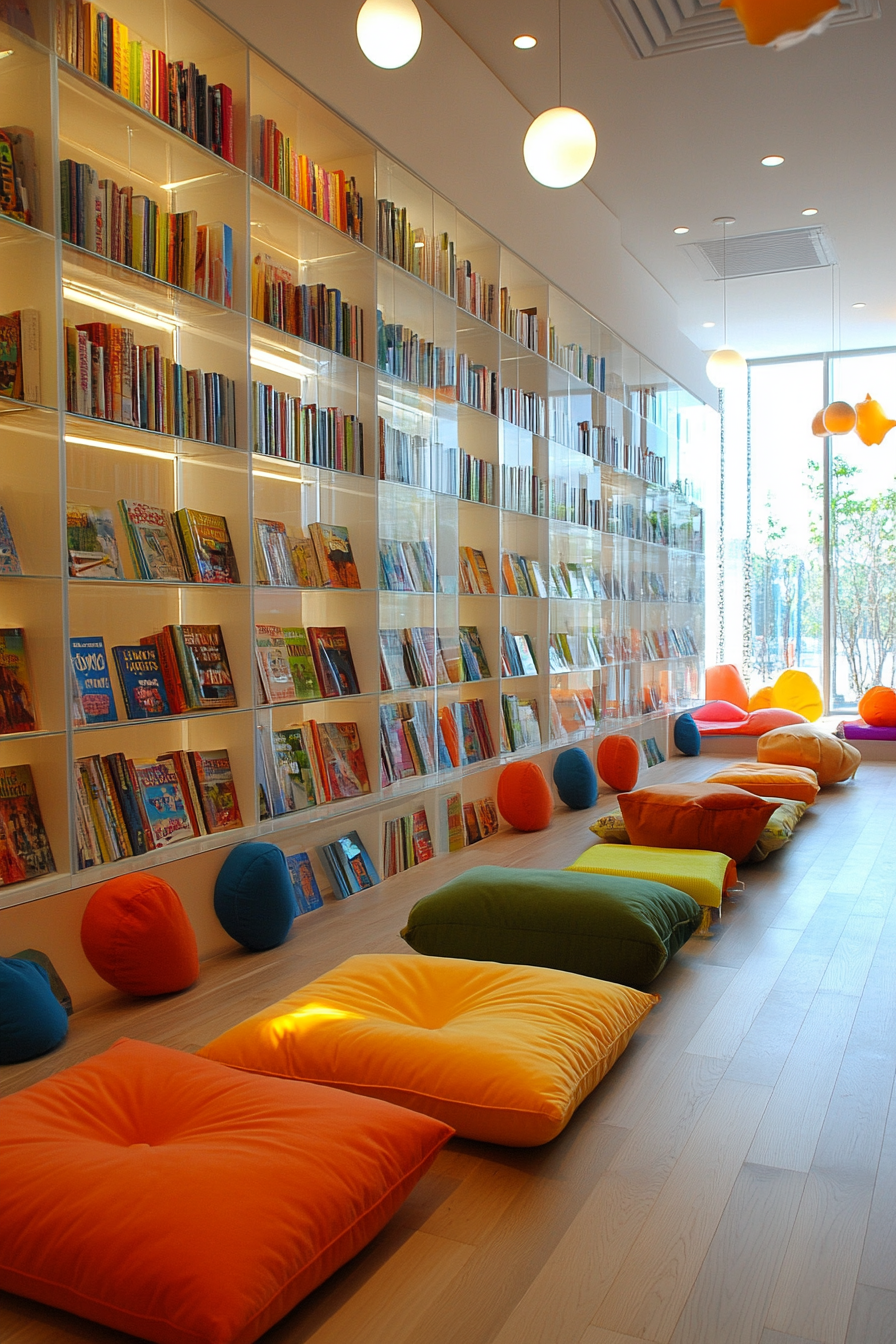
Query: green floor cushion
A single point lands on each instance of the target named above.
(613, 928)
(778, 829)
(700, 873)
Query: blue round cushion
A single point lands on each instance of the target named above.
(576, 779)
(687, 736)
(254, 898)
(32, 1020)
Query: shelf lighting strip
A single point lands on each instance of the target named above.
(119, 447)
(292, 368)
(95, 298)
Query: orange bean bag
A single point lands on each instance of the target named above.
(714, 817)
(797, 691)
(188, 1203)
(761, 699)
(619, 761)
(726, 683)
(137, 935)
(771, 781)
(803, 744)
(524, 797)
(878, 707)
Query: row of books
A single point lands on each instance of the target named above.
(572, 711)
(402, 353)
(602, 444)
(575, 500)
(187, 546)
(178, 95)
(572, 357)
(469, 478)
(135, 231)
(573, 651)
(179, 670)
(110, 377)
(525, 409)
(479, 820)
(327, 193)
(473, 571)
(477, 385)
(286, 427)
(308, 765)
(465, 732)
(25, 851)
(407, 566)
(405, 457)
(286, 559)
(522, 491)
(406, 842)
(411, 742)
(668, 643)
(517, 655)
(298, 663)
(521, 576)
(428, 256)
(474, 293)
(126, 807)
(418, 656)
(520, 723)
(523, 324)
(19, 189)
(20, 355)
(659, 526)
(313, 312)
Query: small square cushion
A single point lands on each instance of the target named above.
(832, 759)
(614, 928)
(501, 1053)
(716, 817)
(778, 781)
(778, 829)
(703, 875)
(856, 730)
(186, 1203)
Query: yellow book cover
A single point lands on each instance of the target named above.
(121, 65)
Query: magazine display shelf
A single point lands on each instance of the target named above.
(607, 501)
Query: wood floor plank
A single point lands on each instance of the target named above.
(729, 1021)
(594, 1335)
(472, 1211)
(763, 1052)
(853, 955)
(873, 1318)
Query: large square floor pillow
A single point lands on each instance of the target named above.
(614, 928)
(703, 875)
(501, 1053)
(832, 759)
(716, 817)
(186, 1203)
(777, 832)
(770, 781)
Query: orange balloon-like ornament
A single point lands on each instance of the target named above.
(781, 23)
(818, 428)
(872, 426)
(839, 417)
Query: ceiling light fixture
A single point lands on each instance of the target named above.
(810, 211)
(725, 366)
(682, 228)
(389, 32)
(838, 417)
(560, 145)
(709, 324)
(772, 160)
(859, 305)
(525, 42)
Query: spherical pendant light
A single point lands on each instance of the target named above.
(839, 417)
(818, 428)
(872, 425)
(726, 367)
(559, 147)
(389, 32)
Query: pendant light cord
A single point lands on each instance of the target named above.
(725, 284)
(559, 53)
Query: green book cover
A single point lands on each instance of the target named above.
(301, 663)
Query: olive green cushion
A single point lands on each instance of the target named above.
(614, 928)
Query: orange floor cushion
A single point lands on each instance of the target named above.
(524, 796)
(878, 707)
(619, 761)
(832, 759)
(716, 817)
(726, 683)
(501, 1053)
(137, 935)
(187, 1203)
(771, 781)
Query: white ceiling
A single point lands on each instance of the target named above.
(680, 138)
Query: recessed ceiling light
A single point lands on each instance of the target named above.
(859, 305)
(709, 324)
(525, 41)
(681, 229)
(810, 211)
(773, 160)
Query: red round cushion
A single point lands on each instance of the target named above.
(878, 707)
(524, 797)
(619, 762)
(719, 711)
(137, 936)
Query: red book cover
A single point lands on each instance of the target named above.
(448, 726)
(343, 759)
(177, 701)
(226, 121)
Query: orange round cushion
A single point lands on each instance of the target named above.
(524, 797)
(797, 691)
(619, 761)
(136, 935)
(878, 707)
(716, 817)
(771, 781)
(761, 699)
(726, 683)
(803, 744)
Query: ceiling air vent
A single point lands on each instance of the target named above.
(763, 253)
(662, 27)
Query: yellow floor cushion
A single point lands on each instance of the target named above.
(778, 829)
(770, 781)
(702, 873)
(832, 759)
(504, 1054)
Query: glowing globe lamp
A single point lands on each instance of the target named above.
(389, 32)
(872, 425)
(781, 23)
(818, 428)
(839, 417)
(559, 147)
(725, 367)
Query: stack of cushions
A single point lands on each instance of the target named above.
(619, 761)
(136, 935)
(722, 719)
(613, 928)
(698, 873)
(770, 781)
(715, 817)
(832, 759)
(32, 1020)
(503, 1054)
(794, 690)
(254, 896)
(524, 797)
(778, 830)
(174, 1199)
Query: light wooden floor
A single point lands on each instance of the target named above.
(732, 1181)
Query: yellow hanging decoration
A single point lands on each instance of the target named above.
(839, 417)
(781, 23)
(872, 426)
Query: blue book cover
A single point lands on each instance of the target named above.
(304, 883)
(91, 670)
(9, 556)
(354, 861)
(163, 802)
(140, 677)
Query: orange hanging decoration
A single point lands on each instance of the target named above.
(818, 428)
(872, 426)
(781, 23)
(839, 417)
